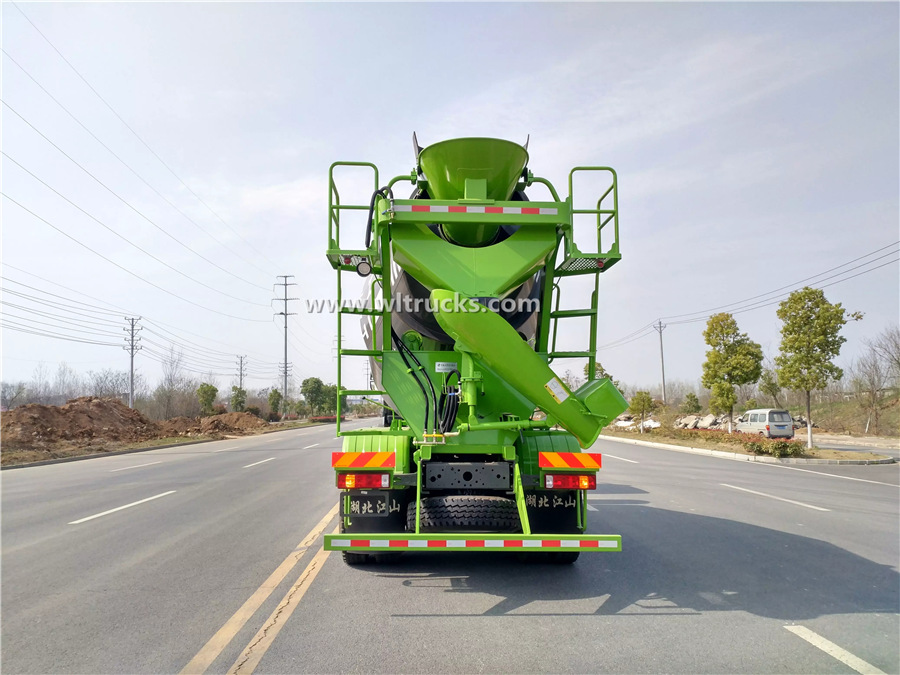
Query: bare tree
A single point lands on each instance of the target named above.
(887, 347)
(39, 387)
(869, 376)
(12, 394)
(66, 385)
(108, 383)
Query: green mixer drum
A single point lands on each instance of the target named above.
(496, 166)
(448, 164)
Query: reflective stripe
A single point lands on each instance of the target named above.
(453, 208)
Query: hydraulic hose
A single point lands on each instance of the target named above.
(402, 349)
(384, 192)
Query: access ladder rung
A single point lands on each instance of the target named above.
(566, 313)
(362, 392)
(356, 310)
(360, 352)
(568, 355)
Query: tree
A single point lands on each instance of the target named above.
(313, 390)
(641, 404)
(733, 360)
(275, 399)
(887, 347)
(10, 392)
(810, 341)
(869, 377)
(691, 404)
(768, 384)
(206, 394)
(599, 373)
(238, 399)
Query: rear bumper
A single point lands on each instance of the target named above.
(472, 542)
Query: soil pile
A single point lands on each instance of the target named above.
(234, 423)
(85, 425)
(81, 421)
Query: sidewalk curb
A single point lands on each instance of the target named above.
(131, 451)
(746, 458)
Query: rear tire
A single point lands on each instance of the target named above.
(465, 513)
(354, 558)
(351, 558)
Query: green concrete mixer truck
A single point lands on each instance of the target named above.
(482, 443)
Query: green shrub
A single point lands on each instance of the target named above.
(755, 447)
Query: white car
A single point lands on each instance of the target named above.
(768, 422)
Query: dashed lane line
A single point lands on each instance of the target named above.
(780, 499)
(119, 508)
(137, 466)
(223, 637)
(262, 461)
(253, 653)
(832, 649)
(621, 459)
(314, 445)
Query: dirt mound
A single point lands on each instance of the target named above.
(234, 421)
(80, 421)
(216, 425)
(179, 426)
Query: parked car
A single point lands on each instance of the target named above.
(768, 422)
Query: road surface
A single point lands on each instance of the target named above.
(214, 564)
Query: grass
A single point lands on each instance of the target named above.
(848, 417)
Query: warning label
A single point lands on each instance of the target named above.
(557, 390)
(445, 366)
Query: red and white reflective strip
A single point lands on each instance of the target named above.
(507, 210)
(517, 544)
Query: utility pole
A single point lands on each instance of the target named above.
(242, 368)
(132, 347)
(660, 327)
(285, 283)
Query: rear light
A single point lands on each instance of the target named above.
(348, 481)
(767, 428)
(570, 481)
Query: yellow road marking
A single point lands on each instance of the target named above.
(832, 649)
(253, 652)
(226, 633)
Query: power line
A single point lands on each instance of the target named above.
(130, 168)
(7, 325)
(648, 328)
(119, 310)
(127, 203)
(794, 284)
(137, 276)
(777, 299)
(125, 239)
(136, 135)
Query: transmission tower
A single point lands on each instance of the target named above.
(659, 326)
(285, 366)
(132, 347)
(242, 370)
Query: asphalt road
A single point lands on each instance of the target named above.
(726, 567)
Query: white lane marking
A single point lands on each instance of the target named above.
(832, 649)
(606, 454)
(119, 508)
(262, 461)
(592, 508)
(781, 499)
(137, 466)
(822, 473)
(311, 446)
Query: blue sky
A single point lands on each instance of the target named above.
(756, 145)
